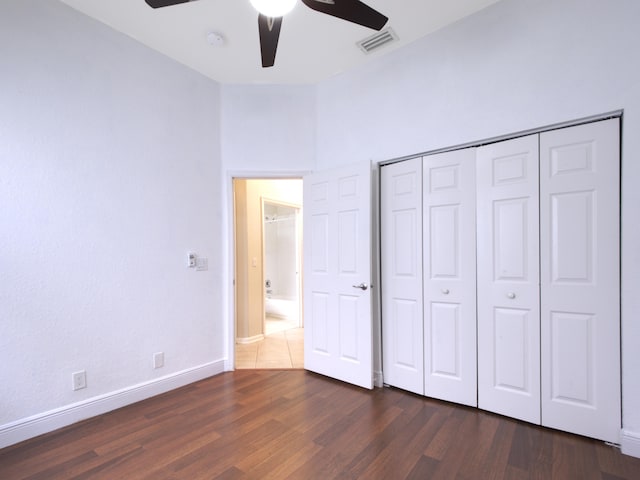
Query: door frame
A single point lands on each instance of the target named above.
(509, 136)
(229, 290)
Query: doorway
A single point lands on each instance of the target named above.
(268, 273)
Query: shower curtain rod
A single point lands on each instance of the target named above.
(279, 218)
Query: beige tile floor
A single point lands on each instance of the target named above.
(278, 324)
(283, 349)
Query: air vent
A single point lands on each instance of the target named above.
(380, 39)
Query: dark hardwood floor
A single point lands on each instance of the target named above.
(262, 424)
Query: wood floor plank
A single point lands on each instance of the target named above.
(497, 457)
(98, 467)
(441, 442)
(456, 457)
(515, 473)
(269, 424)
(482, 434)
(58, 469)
(264, 458)
(425, 467)
(612, 463)
(401, 454)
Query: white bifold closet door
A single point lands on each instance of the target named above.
(580, 279)
(549, 314)
(428, 257)
(401, 251)
(449, 248)
(536, 270)
(508, 278)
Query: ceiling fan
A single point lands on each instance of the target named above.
(269, 26)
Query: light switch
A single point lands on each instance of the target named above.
(202, 264)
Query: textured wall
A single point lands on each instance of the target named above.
(268, 128)
(109, 175)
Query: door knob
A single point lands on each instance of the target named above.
(445, 291)
(511, 295)
(362, 286)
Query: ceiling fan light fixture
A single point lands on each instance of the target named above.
(273, 8)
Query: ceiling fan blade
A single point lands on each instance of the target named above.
(165, 3)
(269, 29)
(350, 10)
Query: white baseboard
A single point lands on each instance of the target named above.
(245, 340)
(35, 425)
(630, 443)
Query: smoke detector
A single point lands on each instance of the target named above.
(215, 39)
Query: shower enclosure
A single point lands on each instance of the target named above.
(282, 266)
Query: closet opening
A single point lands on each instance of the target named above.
(500, 266)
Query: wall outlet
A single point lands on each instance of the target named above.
(158, 360)
(79, 380)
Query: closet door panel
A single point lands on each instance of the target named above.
(450, 276)
(508, 278)
(401, 249)
(580, 272)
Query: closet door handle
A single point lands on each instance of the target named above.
(362, 286)
(445, 291)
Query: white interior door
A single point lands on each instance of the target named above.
(580, 279)
(401, 263)
(508, 278)
(337, 273)
(450, 276)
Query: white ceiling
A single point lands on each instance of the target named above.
(312, 46)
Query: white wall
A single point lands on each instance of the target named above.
(268, 128)
(110, 173)
(517, 65)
